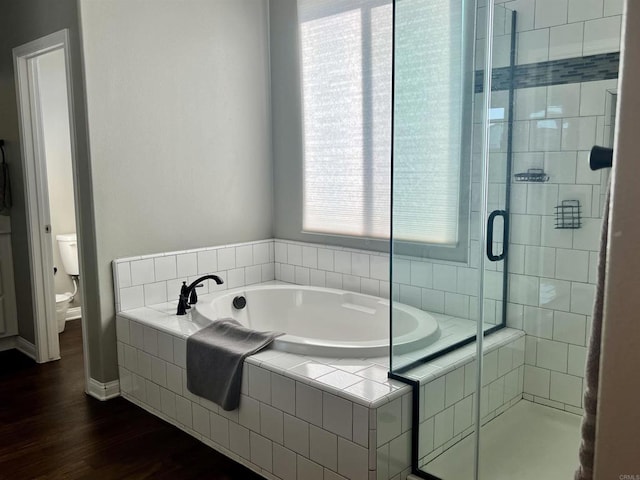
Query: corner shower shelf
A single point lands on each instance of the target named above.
(532, 175)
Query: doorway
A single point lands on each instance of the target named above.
(45, 107)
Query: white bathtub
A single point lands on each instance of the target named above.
(325, 322)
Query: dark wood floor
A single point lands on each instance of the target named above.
(49, 428)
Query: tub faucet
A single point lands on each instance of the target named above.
(188, 293)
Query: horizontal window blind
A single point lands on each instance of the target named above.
(346, 61)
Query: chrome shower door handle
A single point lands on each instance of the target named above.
(490, 223)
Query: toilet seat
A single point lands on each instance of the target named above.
(62, 297)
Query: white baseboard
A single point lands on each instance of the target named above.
(28, 348)
(104, 391)
(8, 343)
(73, 313)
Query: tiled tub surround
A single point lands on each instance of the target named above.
(312, 418)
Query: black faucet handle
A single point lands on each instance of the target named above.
(182, 305)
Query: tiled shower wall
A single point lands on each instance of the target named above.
(553, 272)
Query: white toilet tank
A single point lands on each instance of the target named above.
(68, 245)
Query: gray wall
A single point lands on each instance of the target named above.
(179, 120)
(286, 98)
(52, 84)
(21, 22)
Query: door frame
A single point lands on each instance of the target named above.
(36, 200)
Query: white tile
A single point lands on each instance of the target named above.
(454, 386)
(389, 421)
(536, 381)
(165, 267)
(584, 174)
(526, 13)
(613, 7)
(569, 328)
(490, 367)
(552, 237)
(353, 460)
(280, 251)
(284, 463)
(310, 257)
(323, 447)
(555, 294)
(593, 97)
(470, 378)
(578, 133)
(550, 13)
(283, 393)
(207, 262)
(602, 35)
(187, 265)
(267, 272)
(261, 451)
(180, 352)
(496, 394)
(361, 425)
(239, 440)
(560, 166)
(168, 403)
(235, 278)
(521, 136)
(572, 265)
(142, 271)
(153, 395)
(577, 360)
(260, 253)
(183, 411)
(463, 415)
(249, 413)
(122, 330)
(530, 103)
(540, 261)
(433, 300)
(443, 426)
(219, 427)
(351, 283)
(565, 41)
(259, 383)
(523, 289)
(337, 415)
(360, 264)
(131, 297)
(244, 256)
(563, 100)
(226, 258)
(445, 278)
(174, 378)
(342, 261)
(400, 454)
(271, 423)
(309, 403)
(505, 360)
(582, 298)
(542, 199)
(301, 275)
(308, 469)
(533, 46)
(434, 397)
(252, 274)
(580, 10)
(287, 273)
(123, 272)
(545, 135)
(379, 267)
(201, 422)
(159, 371)
(525, 229)
(339, 379)
(325, 259)
(155, 293)
(369, 286)
(538, 322)
(552, 355)
(296, 435)
(294, 254)
(566, 389)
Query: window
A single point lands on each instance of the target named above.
(346, 62)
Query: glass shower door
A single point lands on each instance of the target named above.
(449, 214)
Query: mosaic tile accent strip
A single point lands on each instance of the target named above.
(556, 72)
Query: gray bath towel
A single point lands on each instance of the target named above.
(592, 373)
(215, 356)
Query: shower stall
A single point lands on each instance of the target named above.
(496, 217)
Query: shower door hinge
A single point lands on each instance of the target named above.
(47, 229)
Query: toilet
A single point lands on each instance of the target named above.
(68, 245)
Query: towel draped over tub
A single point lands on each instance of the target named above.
(215, 356)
